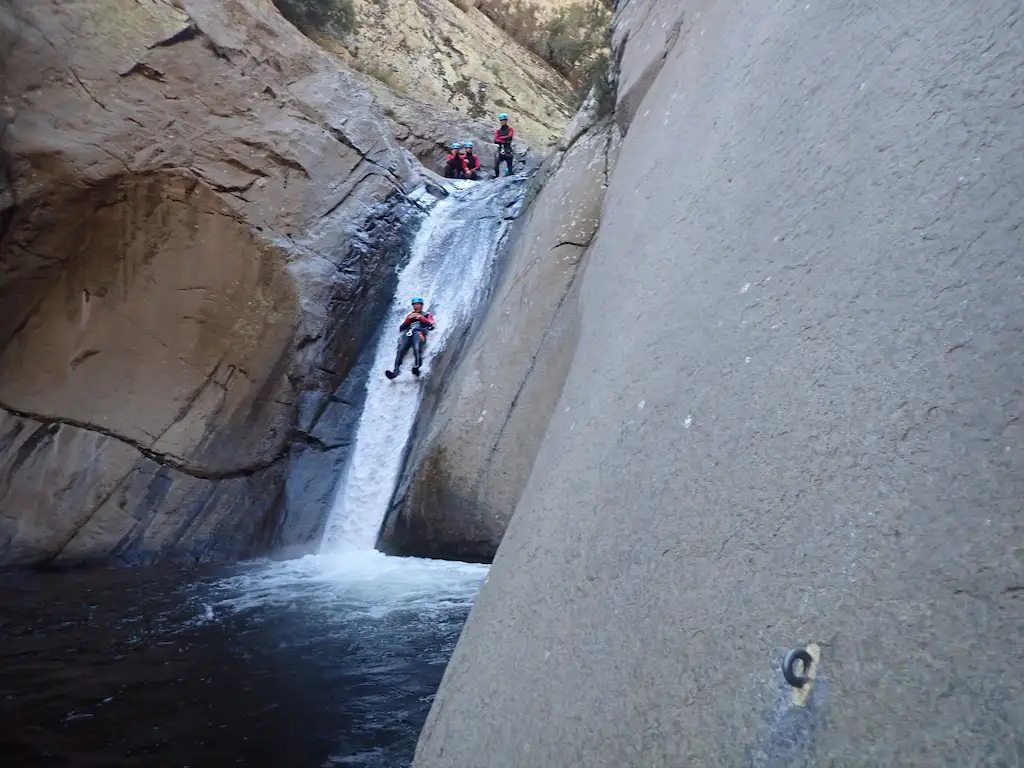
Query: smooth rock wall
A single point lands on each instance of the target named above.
(792, 415)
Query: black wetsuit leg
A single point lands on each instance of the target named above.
(417, 349)
(403, 347)
(502, 158)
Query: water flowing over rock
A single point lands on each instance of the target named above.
(792, 413)
(486, 425)
(200, 220)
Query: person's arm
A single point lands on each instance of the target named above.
(406, 323)
(428, 319)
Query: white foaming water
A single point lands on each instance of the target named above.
(349, 581)
(451, 259)
(348, 585)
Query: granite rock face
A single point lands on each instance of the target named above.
(451, 54)
(200, 218)
(792, 414)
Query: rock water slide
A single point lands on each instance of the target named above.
(452, 259)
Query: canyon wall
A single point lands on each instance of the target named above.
(451, 54)
(791, 417)
(200, 220)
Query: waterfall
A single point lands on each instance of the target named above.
(450, 266)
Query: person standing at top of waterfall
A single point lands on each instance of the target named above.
(503, 138)
(412, 335)
(472, 161)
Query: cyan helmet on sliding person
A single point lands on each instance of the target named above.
(467, 144)
(416, 300)
(503, 116)
(456, 145)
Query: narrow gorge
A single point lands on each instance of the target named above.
(730, 368)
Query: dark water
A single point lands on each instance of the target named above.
(316, 662)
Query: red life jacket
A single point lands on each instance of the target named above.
(455, 160)
(504, 135)
(425, 317)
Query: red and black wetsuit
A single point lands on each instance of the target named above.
(419, 327)
(503, 138)
(472, 165)
(425, 319)
(455, 166)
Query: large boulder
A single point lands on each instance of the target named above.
(792, 416)
(468, 468)
(201, 217)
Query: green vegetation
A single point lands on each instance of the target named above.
(335, 17)
(574, 39)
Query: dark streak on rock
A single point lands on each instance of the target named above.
(164, 459)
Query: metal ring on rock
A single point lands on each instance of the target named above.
(789, 667)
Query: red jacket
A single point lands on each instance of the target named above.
(471, 164)
(506, 137)
(426, 319)
(456, 160)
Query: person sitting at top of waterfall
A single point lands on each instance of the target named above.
(503, 138)
(455, 163)
(413, 334)
(472, 161)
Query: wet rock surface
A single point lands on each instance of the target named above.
(467, 471)
(201, 218)
(792, 414)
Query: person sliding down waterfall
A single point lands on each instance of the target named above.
(503, 138)
(455, 163)
(412, 333)
(472, 162)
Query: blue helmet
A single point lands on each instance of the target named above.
(503, 116)
(456, 145)
(468, 144)
(416, 300)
